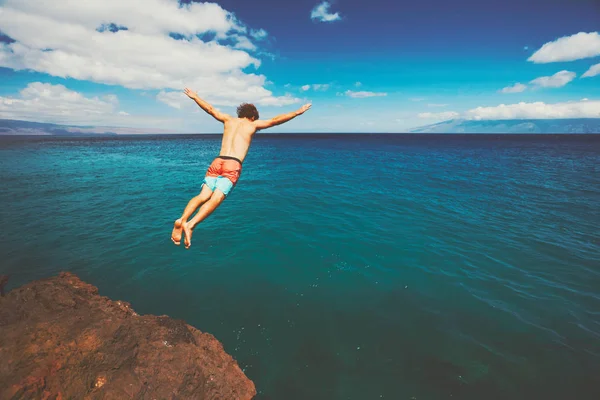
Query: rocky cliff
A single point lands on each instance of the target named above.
(60, 340)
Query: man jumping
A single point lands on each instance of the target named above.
(224, 172)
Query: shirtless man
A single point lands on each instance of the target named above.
(224, 172)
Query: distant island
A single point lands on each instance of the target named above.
(583, 125)
(17, 127)
(533, 126)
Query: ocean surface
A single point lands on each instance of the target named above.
(340, 267)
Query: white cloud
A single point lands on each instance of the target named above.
(178, 100)
(537, 110)
(284, 100)
(516, 88)
(174, 99)
(441, 116)
(242, 42)
(111, 98)
(417, 99)
(61, 39)
(320, 86)
(55, 103)
(259, 34)
(593, 71)
(316, 86)
(359, 95)
(436, 105)
(321, 13)
(569, 48)
(557, 80)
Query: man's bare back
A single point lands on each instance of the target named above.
(226, 168)
(238, 132)
(237, 136)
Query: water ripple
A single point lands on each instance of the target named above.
(399, 260)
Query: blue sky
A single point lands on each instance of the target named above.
(374, 66)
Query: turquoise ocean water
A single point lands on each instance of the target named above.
(340, 267)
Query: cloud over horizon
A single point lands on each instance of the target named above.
(363, 94)
(439, 116)
(55, 103)
(538, 110)
(65, 39)
(437, 105)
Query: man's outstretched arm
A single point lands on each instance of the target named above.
(219, 116)
(280, 119)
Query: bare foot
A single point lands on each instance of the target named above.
(176, 234)
(188, 235)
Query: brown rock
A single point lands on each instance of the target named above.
(60, 340)
(3, 282)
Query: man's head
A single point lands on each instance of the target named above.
(246, 110)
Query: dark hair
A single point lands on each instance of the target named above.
(246, 110)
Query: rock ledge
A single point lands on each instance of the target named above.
(59, 339)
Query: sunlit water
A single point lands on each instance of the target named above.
(340, 267)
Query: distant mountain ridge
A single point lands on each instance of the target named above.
(18, 127)
(576, 126)
(583, 125)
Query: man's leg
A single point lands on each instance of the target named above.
(205, 210)
(193, 204)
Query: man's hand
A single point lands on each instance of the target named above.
(280, 119)
(191, 94)
(303, 109)
(219, 116)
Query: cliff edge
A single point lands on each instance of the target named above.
(59, 339)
